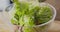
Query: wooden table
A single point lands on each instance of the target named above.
(55, 27)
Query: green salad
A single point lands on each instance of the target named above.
(29, 15)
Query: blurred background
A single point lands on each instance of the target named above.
(56, 3)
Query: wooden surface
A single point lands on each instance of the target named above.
(55, 27)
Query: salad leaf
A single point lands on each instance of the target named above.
(28, 29)
(28, 15)
(44, 15)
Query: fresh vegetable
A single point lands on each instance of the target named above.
(43, 15)
(28, 15)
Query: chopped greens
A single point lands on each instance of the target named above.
(28, 15)
(43, 15)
